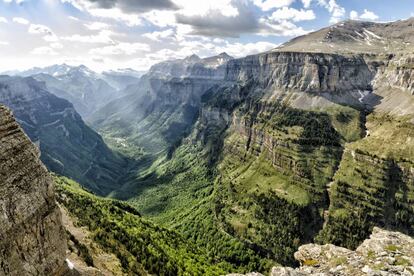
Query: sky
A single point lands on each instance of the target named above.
(112, 34)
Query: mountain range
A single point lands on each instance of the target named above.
(84, 88)
(243, 160)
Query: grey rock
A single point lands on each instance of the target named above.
(31, 231)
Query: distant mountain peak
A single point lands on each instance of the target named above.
(224, 54)
(355, 36)
(192, 58)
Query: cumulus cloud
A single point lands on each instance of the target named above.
(96, 26)
(280, 28)
(127, 6)
(103, 37)
(4, 43)
(366, 15)
(14, 1)
(44, 51)
(214, 23)
(337, 12)
(42, 29)
(295, 15)
(56, 45)
(3, 20)
(158, 36)
(306, 3)
(267, 5)
(241, 50)
(122, 48)
(21, 20)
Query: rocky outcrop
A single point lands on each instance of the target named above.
(384, 253)
(31, 234)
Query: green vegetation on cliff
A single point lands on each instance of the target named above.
(140, 245)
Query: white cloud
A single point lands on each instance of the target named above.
(353, 15)
(3, 20)
(56, 45)
(192, 8)
(15, 1)
(366, 15)
(122, 48)
(117, 14)
(96, 26)
(103, 37)
(44, 51)
(42, 29)
(306, 3)
(21, 20)
(158, 36)
(280, 28)
(160, 18)
(287, 13)
(267, 5)
(4, 43)
(241, 50)
(337, 12)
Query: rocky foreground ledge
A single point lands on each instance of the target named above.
(384, 253)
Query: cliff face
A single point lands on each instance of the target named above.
(32, 239)
(68, 146)
(308, 72)
(298, 141)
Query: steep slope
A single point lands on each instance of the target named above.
(160, 110)
(142, 247)
(31, 228)
(68, 146)
(85, 89)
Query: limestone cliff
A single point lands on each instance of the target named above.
(31, 232)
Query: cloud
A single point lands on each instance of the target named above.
(96, 26)
(267, 5)
(122, 48)
(306, 3)
(103, 37)
(56, 45)
(3, 20)
(214, 23)
(44, 51)
(295, 15)
(191, 7)
(127, 6)
(21, 20)
(337, 12)
(158, 36)
(241, 50)
(42, 29)
(118, 15)
(367, 15)
(4, 43)
(14, 1)
(280, 28)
